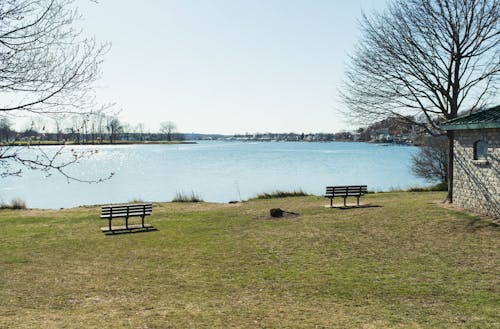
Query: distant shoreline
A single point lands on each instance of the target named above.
(121, 142)
(61, 143)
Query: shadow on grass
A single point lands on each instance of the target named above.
(354, 206)
(476, 223)
(130, 231)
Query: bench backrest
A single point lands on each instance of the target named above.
(122, 210)
(347, 190)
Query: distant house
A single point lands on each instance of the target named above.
(476, 164)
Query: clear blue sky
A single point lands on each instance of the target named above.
(227, 66)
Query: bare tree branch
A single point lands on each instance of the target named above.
(47, 68)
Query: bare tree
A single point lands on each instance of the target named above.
(5, 129)
(168, 128)
(114, 128)
(58, 120)
(46, 65)
(140, 130)
(98, 125)
(127, 130)
(431, 163)
(47, 68)
(425, 59)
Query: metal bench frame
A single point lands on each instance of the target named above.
(126, 211)
(345, 191)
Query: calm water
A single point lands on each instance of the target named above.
(217, 171)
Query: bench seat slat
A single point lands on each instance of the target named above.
(125, 208)
(344, 194)
(347, 186)
(130, 214)
(133, 214)
(131, 206)
(128, 205)
(125, 211)
(121, 207)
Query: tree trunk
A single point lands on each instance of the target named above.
(451, 141)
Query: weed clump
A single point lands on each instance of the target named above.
(181, 197)
(434, 188)
(280, 194)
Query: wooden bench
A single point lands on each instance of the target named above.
(126, 211)
(345, 191)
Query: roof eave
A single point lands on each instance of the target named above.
(470, 126)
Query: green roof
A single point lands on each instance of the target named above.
(486, 119)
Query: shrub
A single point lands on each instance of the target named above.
(180, 197)
(431, 162)
(432, 188)
(16, 204)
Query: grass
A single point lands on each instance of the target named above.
(280, 194)
(181, 197)
(408, 263)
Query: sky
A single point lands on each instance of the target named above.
(226, 66)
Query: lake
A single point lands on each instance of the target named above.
(216, 171)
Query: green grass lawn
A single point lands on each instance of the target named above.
(408, 263)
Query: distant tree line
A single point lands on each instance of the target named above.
(90, 128)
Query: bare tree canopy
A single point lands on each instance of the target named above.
(168, 128)
(47, 68)
(430, 57)
(425, 61)
(46, 65)
(431, 162)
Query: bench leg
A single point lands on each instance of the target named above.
(110, 225)
(345, 198)
(331, 202)
(126, 223)
(142, 221)
(357, 200)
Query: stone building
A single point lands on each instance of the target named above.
(476, 164)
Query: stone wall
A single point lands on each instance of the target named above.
(476, 184)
